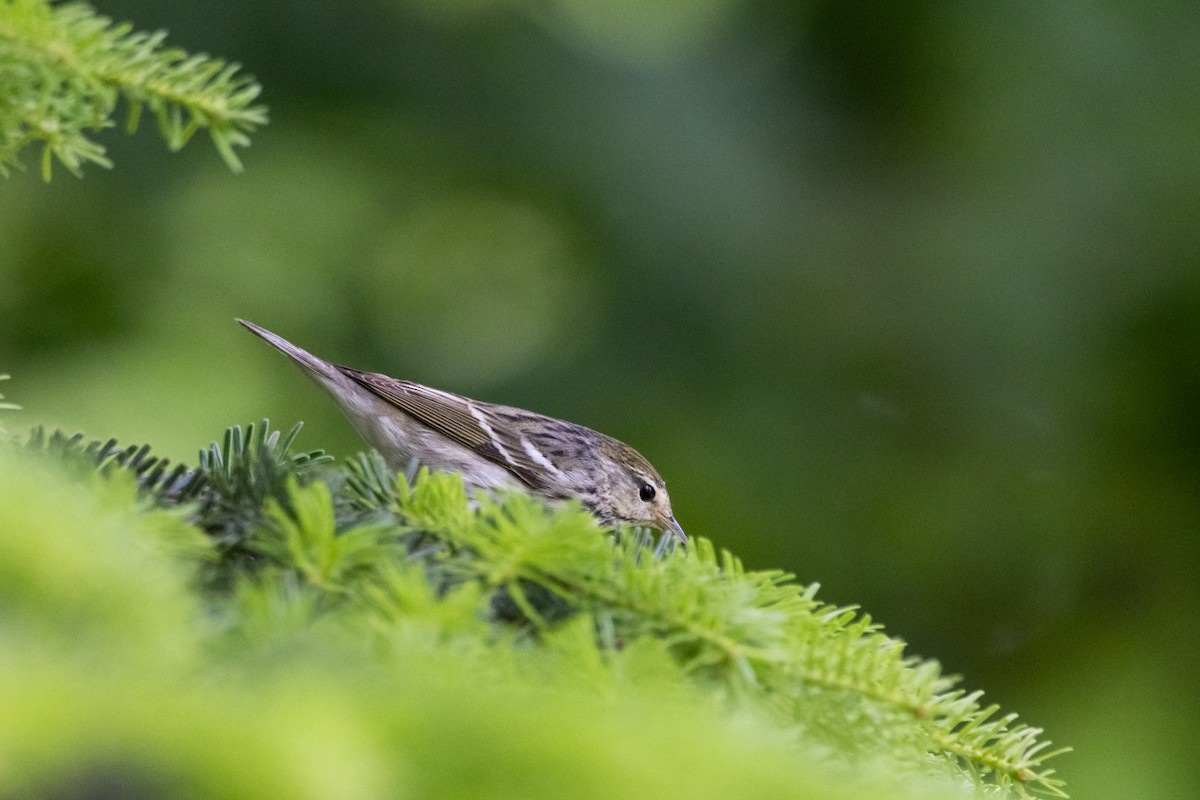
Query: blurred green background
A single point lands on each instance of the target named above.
(902, 297)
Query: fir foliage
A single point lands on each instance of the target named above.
(351, 579)
(151, 473)
(63, 69)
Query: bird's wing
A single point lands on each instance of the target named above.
(464, 421)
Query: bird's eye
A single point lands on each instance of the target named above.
(647, 492)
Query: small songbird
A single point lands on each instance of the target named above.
(493, 446)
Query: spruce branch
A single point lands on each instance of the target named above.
(155, 477)
(226, 494)
(250, 467)
(303, 535)
(756, 632)
(63, 69)
(253, 464)
(358, 543)
(370, 484)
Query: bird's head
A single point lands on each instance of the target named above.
(629, 491)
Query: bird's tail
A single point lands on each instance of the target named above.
(315, 367)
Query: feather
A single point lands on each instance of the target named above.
(472, 424)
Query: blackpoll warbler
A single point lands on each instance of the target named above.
(494, 447)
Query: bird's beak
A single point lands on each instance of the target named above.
(672, 527)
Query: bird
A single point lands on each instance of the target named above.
(494, 447)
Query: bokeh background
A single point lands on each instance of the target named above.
(901, 297)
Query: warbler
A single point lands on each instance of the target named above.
(493, 446)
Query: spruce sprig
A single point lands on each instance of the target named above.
(154, 475)
(344, 537)
(63, 69)
(756, 633)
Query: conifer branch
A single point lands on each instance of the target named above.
(755, 628)
(179, 484)
(63, 69)
(345, 539)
